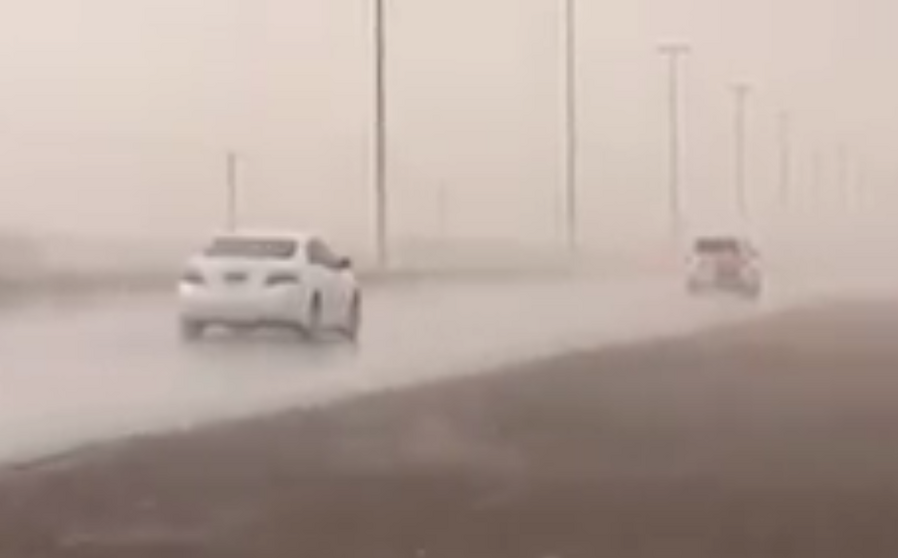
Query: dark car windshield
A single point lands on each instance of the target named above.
(252, 248)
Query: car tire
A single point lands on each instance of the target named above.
(353, 325)
(191, 330)
(312, 324)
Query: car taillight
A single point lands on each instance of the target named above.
(193, 278)
(282, 279)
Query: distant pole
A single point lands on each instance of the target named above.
(843, 184)
(785, 137)
(861, 184)
(380, 140)
(571, 132)
(817, 174)
(673, 53)
(231, 219)
(443, 211)
(741, 92)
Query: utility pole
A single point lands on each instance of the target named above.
(381, 209)
(231, 186)
(741, 92)
(571, 130)
(673, 53)
(785, 137)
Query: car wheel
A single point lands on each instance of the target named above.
(191, 330)
(353, 325)
(312, 325)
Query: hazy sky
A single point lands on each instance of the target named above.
(115, 115)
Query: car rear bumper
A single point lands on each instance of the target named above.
(737, 283)
(274, 306)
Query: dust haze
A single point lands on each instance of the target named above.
(117, 117)
(753, 421)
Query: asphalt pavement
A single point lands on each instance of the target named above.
(84, 370)
(775, 438)
(95, 370)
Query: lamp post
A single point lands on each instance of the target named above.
(741, 92)
(674, 52)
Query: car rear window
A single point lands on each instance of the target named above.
(717, 246)
(253, 248)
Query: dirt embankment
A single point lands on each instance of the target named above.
(774, 440)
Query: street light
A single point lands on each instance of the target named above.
(741, 92)
(818, 174)
(231, 217)
(674, 52)
(571, 131)
(381, 203)
(785, 138)
(443, 212)
(845, 193)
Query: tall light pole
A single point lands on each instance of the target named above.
(231, 186)
(858, 179)
(785, 139)
(862, 178)
(674, 52)
(381, 202)
(571, 130)
(443, 211)
(818, 175)
(741, 92)
(845, 193)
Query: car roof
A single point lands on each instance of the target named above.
(735, 239)
(300, 237)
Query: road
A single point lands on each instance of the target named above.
(87, 373)
(775, 439)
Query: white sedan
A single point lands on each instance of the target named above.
(249, 280)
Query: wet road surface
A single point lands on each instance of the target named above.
(774, 439)
(112, 368)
